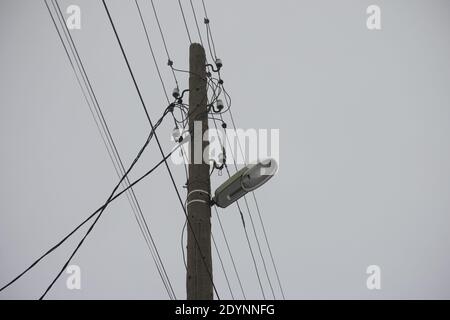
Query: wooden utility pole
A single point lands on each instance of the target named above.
(199, 282)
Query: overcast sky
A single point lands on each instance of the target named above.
(364, 120)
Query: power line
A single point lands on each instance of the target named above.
(169, 60)
(228, 100)
(251, 250)
(114, 154)
(154, 58)
(259, 215)
(208, 26)
(217, 214)
(229, 252)
(238, 206)
(196, 22)
(210, 38)
(223, 268)
(164, 89)
(268, 246)
(209, 33)
(151, 50)
(252, 223)
(221, 263)
(75, 72)
(156, 137)
(135, 205)
(160, 29)
(259, 246)
(185, 23)
(245, 229)
(253, 226)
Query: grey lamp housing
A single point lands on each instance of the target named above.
(245, 180)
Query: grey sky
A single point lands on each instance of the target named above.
(364, 146)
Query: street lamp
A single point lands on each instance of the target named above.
(245, 180)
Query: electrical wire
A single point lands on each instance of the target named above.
(113, 152)
(230, 254)
(165, 91)
(196, 22)
(207, 17)
(182, 245)
(154, 58)
(209, 34)
(151, 49)
(223, 268)
(214, 88)
(259, 213)
(245, 231)
(260, 216)
(208, 37)
(185, 23)
(228, 101)
(158, 142)
(253, 225)
(169, 60)
(184, 121)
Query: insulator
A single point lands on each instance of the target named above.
(176, 93)
(218, 63)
